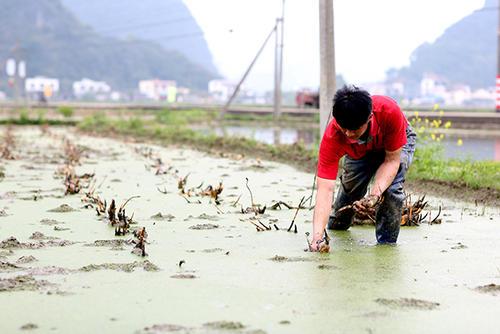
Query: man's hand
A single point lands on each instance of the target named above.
(366, 207)
(320, 244)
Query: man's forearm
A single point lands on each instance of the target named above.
(322, 211)
(384, 176)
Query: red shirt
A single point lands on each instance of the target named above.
(387, 133)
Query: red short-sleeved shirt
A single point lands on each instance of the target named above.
(387, 132)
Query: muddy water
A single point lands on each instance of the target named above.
(233, 278)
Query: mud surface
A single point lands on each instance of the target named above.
(208, 269)
(492, 288)
(228, 327)
(25, 282)
(126, 267)
(408, 303)
(29, 326)
(204, 227)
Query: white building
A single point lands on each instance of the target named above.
(183, 94)
(458, 95)
(90, 87)
(159, 90)
(483, 97)
(221, 90)
(48, 86)
(432, 85)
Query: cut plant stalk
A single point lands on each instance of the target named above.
(295, 216)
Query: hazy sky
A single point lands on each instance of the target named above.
(371, 36)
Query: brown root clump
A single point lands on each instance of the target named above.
(255, 208)
(209, 191)
(72, 181)
(119, 220)
(72, 153)
(93, 199)
(213, 192)
(160, 168)
(8, 145)
(181, 184)
(140, 243)
(412, 214)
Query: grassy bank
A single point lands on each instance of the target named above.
(39, 117)
(430, 164)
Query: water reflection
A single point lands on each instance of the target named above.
(475, 148)
(271, 135)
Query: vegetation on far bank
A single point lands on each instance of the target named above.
(25, 117)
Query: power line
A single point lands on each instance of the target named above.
(144, 25)
(157, 39)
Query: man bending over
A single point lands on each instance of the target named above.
(376, 141)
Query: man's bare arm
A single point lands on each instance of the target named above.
(386, 172)
(322, 208)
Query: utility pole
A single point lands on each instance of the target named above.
(278, 64)
(327, 62)
(498, 62)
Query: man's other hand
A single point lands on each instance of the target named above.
(366, 206)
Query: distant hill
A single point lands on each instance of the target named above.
(166, 22)
(466, 53)
(55, 44)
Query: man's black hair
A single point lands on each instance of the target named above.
(352, 107)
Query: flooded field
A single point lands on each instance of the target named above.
(208, 269)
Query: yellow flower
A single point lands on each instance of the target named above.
(421, 129)
(416, 114)
(460, 142)
(441, 136)
(433, 136)
(426, 121)
(447, 125)
(436, 106)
